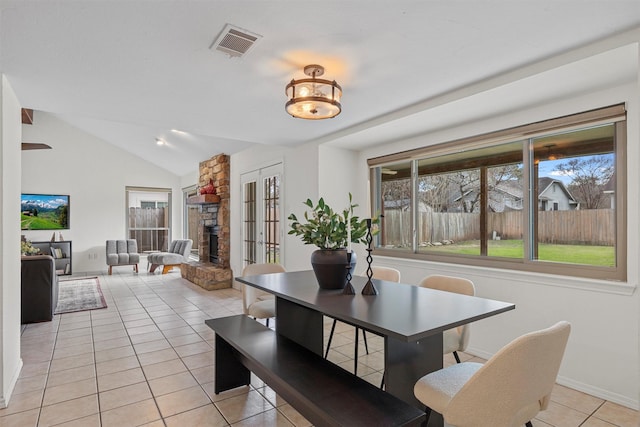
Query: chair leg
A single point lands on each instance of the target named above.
(333, 327)
(382, 382)
(135, 268)
(455, 354)
(110, 267)
(364, 337)
(267, 322)
(153, 267)
(528, 424)
(166, 269)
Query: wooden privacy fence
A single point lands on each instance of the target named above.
(588, 227)
(150, 228)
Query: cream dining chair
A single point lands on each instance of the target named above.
(457, 339)
(387, 274)
(256, 303)
(507, 391)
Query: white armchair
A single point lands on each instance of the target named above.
(256, 303)
(507, 391)
(178, 253)
(457, 339)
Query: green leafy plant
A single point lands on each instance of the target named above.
(327, 229)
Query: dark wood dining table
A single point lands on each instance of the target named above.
(411, 320)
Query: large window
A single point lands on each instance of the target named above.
(148, 217)
(541, 197)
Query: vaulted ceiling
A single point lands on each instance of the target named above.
(129, 72)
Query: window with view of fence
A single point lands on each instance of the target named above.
(150, 228)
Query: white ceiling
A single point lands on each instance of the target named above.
(130, 71)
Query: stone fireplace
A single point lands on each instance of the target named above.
(212, 269)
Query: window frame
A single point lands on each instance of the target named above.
(615, 114)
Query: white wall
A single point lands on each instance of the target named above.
(95, 175)
(10, 137)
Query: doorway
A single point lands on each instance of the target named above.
(261, 222)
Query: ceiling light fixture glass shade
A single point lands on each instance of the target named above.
(313, 99)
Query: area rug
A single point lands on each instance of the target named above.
(79, 295)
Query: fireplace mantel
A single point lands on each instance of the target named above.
(203, 199)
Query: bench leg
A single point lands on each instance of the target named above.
(229, 371)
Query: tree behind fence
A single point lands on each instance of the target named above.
(589, 227)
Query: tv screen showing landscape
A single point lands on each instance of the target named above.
(44, 212)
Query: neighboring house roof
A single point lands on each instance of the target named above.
(546, 182)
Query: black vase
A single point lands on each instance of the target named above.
(330, 267)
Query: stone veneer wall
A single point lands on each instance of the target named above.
(203, 273)
(217, 169)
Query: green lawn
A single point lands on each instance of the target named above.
(572, 254)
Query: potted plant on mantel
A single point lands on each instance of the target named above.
(332, 233)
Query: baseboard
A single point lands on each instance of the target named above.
(600, 393)
(4, 400)
(579, 386)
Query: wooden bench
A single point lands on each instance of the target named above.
(324, 393)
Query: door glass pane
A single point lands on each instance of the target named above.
(249, 222)
(575, 187)
(272, 219)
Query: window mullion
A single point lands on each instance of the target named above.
(484, 206)
(415, 204)
(530, 212)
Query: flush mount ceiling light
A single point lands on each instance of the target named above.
(313, 99)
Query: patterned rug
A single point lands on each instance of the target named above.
(79, 295)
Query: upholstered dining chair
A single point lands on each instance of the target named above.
(457, 339)
(381, 273)
(256, 303)
(507, 391)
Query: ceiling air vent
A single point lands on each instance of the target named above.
(234, 41)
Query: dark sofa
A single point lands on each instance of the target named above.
(39, 288)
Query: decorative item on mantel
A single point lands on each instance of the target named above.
(208, 189)
(333, 235)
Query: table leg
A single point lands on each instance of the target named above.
(300, 324)
(406, 363)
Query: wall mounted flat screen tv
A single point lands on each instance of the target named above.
(44, 212)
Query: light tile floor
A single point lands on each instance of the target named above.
(147, 360)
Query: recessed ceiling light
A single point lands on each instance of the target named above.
(160, 142)
(178, 131)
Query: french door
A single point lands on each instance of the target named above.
(261, 225)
